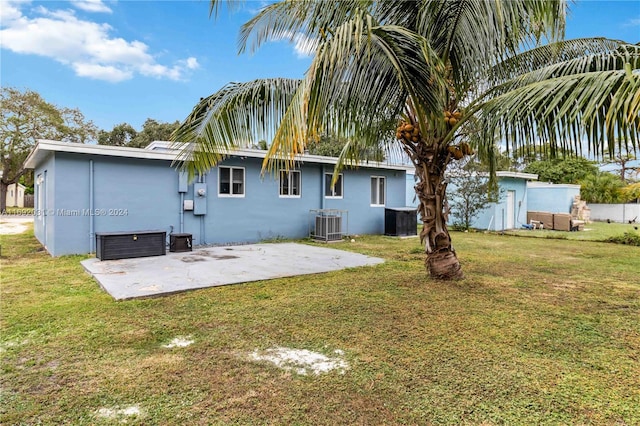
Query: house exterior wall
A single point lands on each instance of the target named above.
(494, 217)
(412, 199)
(81, 194)
(552, 198)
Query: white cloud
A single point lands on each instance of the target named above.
(192, 63)
(101, 72)
(92, 6)
(85, 46)
(303, 45)
(633, 22)
(10, 10)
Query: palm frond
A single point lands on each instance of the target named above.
(564, 58)
(231, 118)
(216, 5)
(366, 71)
(287, 19)
(474, 35)
(598, 106)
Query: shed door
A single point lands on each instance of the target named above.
(511, 204)
(41, 205)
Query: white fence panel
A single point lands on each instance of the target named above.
(621, 213)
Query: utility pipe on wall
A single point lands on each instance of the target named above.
(322, 185)
(181, 212)
(91, 215)
(204, 225)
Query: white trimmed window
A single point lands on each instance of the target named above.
(290, 183)
(231, 181)
(334, 191)
(378, 190)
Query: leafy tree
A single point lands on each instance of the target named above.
(125, 135)
(472, 192)
(262, 144)
(562, 170)
(601, 188)
(430, 77)
(333, 146)
(121, 135)
(631, 193)
(153, 130)
(24, 118)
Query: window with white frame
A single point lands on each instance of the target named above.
(231, 181)
(334, 191)
(378, 190)
(290, 183)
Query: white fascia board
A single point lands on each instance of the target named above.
(505, 174)
(517, 175)
(44, 147)
(160, 150)
(302, 158)
(552, 185)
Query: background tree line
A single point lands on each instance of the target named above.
(26, 117)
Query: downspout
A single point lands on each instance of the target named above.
(206, 200)
(182, 212)
(322, 185)
(202, 233)
(91, 215)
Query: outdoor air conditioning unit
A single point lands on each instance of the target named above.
(328, 227)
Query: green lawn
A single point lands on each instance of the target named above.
(594, 231)
(541, 331)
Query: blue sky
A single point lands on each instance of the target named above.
(125, 61)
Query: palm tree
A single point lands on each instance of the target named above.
(433, 77)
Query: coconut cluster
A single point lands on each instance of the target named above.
(408, 132)
(459, 151)
(452, 118)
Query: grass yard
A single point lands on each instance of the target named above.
(541, 331)
(594, 231)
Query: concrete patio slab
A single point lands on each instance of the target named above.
(216, 266)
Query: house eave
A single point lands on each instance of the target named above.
(517, 175)
(44, 147)
(554, 185)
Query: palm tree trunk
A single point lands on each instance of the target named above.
(441, 262)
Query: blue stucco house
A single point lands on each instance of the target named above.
(81, 190)
(508, 213)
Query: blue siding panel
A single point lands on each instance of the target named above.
(494, 216)
(137, 194)
(553, 198)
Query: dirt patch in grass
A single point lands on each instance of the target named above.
(179, 342)
(301, 361)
